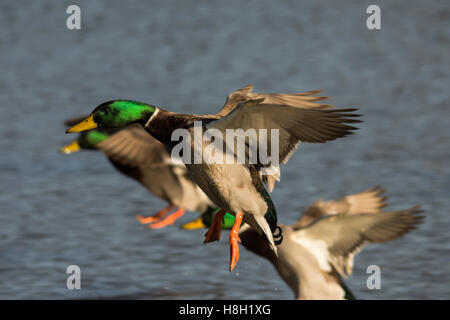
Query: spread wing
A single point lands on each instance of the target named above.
(294, 125)
(134, 146)
(300, 99)
(344, 235)
(369, 201)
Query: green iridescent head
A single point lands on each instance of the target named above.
(205, 221)
(115, 114)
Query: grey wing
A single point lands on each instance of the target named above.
(134, 146)
(293, 125)
(300, 99)
(368, 201)
(345, 235)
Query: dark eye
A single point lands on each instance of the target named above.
(106, 109)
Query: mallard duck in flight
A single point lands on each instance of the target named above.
(136, 154)
(320, 248)
(236, 187)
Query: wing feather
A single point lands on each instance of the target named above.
(134, 146)
(368, 201)
(295, 124)
(300, 99)
(345, 234)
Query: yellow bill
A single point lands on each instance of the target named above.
(196, 224)
(86, 124)
(73, 147)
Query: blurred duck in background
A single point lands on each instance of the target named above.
(138, 155)
(237, 188)
(320, 248)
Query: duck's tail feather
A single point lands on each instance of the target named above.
(266, 232)
(271, 218)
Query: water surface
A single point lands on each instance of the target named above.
(187, 55)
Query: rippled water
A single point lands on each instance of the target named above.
(58, 211)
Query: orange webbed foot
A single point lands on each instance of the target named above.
(157, 216)
(215, 229)
(169, 220)
(234, 239)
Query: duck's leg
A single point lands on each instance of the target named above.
(234, 239)
(215, 229)
(161, 213)
(170, 219)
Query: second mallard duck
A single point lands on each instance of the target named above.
(319, 249)
(136, 154)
